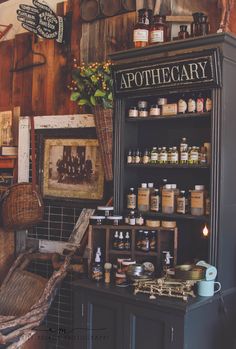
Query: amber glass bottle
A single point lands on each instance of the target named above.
(141, 28)
(157, 33)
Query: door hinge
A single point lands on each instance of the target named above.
(172, 334)
(82, 310)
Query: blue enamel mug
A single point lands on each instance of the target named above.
(207, 288)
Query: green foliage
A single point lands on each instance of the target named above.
(92, 85)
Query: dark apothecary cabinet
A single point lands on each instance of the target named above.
(204, 65)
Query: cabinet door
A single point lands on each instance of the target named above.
(150, 329)
(104, 323)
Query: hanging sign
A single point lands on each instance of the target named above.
(176, 73)
(42, 21)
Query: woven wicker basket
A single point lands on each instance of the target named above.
(22, 207)
(104, 128)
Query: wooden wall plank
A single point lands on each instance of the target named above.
(7, 58)
(22, 80)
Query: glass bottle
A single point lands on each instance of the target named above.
(131, 199)
(163, 156)
(139, 220)
(183, 144)
(141, 28)
(115, 240)
(157, 32)
(153, 240)
(137, 157)
(168, 199)
(208, 104)
(183, 33)
(129, 157)
(198, 200)
(97, 269)
(132, 220)
(182, 105)
(145, 246)
(200, 103)
(169, 155)
(193, 156)
(127, 243)
(143, 198)
(120, 243)
(203, 155)
(139, 239)
(181, 206)
(192, 104)
(154, 156)
(155, 201)
(174, 156)
(146, 157)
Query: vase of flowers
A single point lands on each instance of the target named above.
(92, 86)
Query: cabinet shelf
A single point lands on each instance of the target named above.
(169, 166)
(150, 253)
(170, 117)
(120, 252)
(176, 216)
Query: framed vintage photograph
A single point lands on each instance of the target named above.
(72, 169)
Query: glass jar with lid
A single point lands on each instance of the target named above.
(158, 30)
(141, 28)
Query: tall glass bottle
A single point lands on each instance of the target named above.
(141, 28)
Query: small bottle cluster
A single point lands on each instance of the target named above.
(182, 154)
(168, 199)
(186, 103)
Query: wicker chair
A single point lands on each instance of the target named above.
(25, 297)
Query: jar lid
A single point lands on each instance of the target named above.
(105, 208)
(134, 107)
(168, 186)
(115, 217)
(128, 262)
(97, 217)
(199, 187)
(173, 186)
(143, 185)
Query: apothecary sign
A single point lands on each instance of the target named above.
(176, 73)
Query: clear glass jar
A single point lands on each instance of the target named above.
(168, 199)
(198, 200)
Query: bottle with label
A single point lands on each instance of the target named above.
(182, 105)
(168, 199)
(198, 200)
(120, 242)
(154, 156)
(203, 155)
(155, 201)
(183, 144)
(200, 103)
(208, 104)
(183, 151)
(151, 188)
(163, 156)
(193, 155)
(115, 240)
(127, 243)
(169, 155)
(192, 105)
(143, 113)
(132, 220)
(139, 236)
(146, 157)
(129, 157)
(181, 206)
(153, 240)
(143, 198)
(133, 156)
(174, 156)
(97, 269)
(145, 246)
(137, 157)
(139, 220)
(154, 110)
(141, 29)
(131, 199)
(157, 32)
(166, 262)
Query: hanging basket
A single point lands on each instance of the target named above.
(22, 207)
(104, 128)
